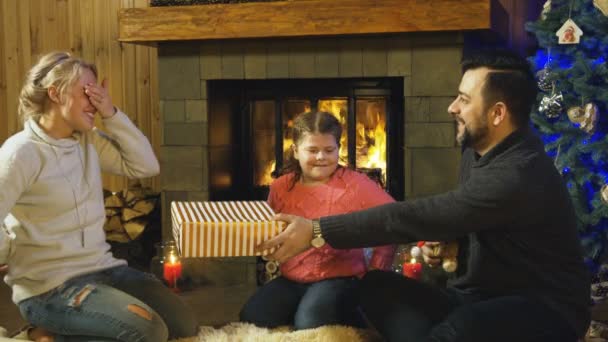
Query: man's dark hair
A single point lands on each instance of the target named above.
(510, 80)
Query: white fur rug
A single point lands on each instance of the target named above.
(244, 332)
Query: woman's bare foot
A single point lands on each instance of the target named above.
(40, 335)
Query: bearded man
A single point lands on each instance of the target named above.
(521, 275)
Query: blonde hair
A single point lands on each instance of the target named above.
(58, 69)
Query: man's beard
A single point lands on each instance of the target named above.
(471, 138)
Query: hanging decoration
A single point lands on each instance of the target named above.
(569, 33)
(604, 193)
(576, 114)
(546, 9)
(551, 106)
(602, 5)
(589, 122)
(543, 76)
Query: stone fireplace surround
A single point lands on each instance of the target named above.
(427, 62)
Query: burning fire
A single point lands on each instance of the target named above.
(372, 152)
(339, 108)
(370, 136)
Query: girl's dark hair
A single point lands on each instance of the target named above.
(311, 123)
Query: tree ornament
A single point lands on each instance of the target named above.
(597, 331)
(599, 292)
(416, 252)
(546, 9)
(551, 106)
(450, 256)
(576, 114)
(602, 5)
(589, 122)
(569, 33)
(543, 83)
(604, 193)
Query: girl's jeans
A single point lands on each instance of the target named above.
(306, 306)
(117, 304)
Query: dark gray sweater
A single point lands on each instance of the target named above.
(513, 216)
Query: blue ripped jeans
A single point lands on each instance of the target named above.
(117, 304)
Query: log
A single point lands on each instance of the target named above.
(128, 214)
(134, 194)
(113, 224)
(118, 237)
(134, 228)
(114, 201)
(145, 206)
(112, 211)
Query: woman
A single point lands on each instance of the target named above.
(60, 269)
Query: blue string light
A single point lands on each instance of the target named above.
(600, 61)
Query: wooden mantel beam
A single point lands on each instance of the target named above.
(292, 18)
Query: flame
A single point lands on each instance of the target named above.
(376, 149)
(266, 176)
(173, 259)
(370, 137)
(339, 109)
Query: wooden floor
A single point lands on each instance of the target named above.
(212, 305)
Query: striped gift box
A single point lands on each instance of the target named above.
(222, 229)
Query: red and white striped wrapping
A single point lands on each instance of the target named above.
(222, 229)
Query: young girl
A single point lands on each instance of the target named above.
(317, 287)
(60, 268)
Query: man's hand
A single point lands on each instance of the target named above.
(431, 252)
(294, 240)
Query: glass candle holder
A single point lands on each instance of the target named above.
(166, 264)
(172, 268)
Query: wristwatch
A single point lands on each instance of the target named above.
(317, 238)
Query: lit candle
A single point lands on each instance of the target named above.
(412, 269)
(172, 270)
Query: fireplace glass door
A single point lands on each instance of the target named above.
(262, 116)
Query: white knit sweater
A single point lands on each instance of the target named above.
(51, 201)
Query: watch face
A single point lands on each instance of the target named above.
(317, 242)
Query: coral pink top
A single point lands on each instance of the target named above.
(346, 191)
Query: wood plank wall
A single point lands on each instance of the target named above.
(89, 29)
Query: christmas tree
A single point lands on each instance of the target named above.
(572, 114)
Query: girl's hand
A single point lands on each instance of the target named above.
(100, 98)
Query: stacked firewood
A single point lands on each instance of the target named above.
(128, 212)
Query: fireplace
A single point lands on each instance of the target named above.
(223, 102)
(250, 129)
